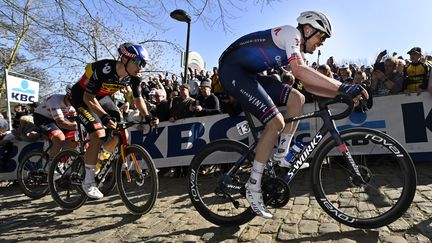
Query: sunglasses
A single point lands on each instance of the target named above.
(139, 62)
(323, 37)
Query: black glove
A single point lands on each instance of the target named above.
(353, 90)
(150, 118)
(106, 119)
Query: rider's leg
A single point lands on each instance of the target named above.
(294, 107)
(90, 160)
(57, 139)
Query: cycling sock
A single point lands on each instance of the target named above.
(256, 175)
(90, 174)
(284, 143)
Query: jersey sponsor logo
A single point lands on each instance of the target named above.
(255, 101)
(106, 69)
(110, 87)
(278, 60)
(85, 114)
(97, 126)
(277, 30)
(259, 40)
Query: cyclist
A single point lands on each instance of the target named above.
(52, 118)
(96, 109)
(273, 48)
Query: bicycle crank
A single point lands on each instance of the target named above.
(276, 192)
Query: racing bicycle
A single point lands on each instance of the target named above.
(133, 169)
(361, 177)
(32, 172)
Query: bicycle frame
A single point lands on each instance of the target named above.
(119, 150)
(328, 126)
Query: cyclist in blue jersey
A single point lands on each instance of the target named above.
(239, 66)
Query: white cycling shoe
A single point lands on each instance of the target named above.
(280, 159)
(92, 191)
(255, 199)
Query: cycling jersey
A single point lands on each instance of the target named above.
(54, 107)
(51, 109)
(101, 79)
(254, 53)
(266, 49)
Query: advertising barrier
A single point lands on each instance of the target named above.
(406, 118)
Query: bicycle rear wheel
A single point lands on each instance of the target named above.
(221, 206)
(138, 183)
(389, 179)
(64, 179)
(32, 174)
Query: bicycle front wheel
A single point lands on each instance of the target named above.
(137, 180)
(32, 174)
(387, 188)
(224, 205)
(64, 179)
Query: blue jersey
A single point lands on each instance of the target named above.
(266, 49)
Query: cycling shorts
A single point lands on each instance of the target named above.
(49, 128)
(256, 94)
(87, 117)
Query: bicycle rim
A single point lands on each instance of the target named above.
(137, 180)
(210, 200)
(389, 174)
(65, 176)
(32, 174)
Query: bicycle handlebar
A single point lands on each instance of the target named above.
(341, 98)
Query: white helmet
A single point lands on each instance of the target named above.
(317, 20)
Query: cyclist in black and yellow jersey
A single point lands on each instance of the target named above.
(90, 97)
(416, 73)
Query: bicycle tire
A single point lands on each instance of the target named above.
(140, 193)
(390, 179)
(32, 174)
(203, 177)
(65, 185)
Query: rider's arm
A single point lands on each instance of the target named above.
(313, 81)
(140, 104)
(93, 104)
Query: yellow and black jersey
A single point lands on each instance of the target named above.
(416, 76)
(101, 79)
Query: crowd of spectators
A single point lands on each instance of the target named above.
(201, 95)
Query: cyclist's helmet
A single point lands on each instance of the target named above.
(68, 89)
(134, 51)
(317, 20)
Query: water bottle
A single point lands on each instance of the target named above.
(294, 150)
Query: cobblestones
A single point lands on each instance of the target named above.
(173, 219)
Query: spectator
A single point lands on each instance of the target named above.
(19, 112)
(180, 107)
(360, 77)
(206, 103)
(400, 66)
(6, 145)
(345, 74)
(161, 110)
(389, 81)
(325, 69)
(416, 73)
(216, 86)
(332, 65)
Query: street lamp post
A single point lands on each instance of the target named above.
(182, 16)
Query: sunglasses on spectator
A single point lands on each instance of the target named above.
(139, 62)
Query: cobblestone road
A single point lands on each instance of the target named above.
(173, 219)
